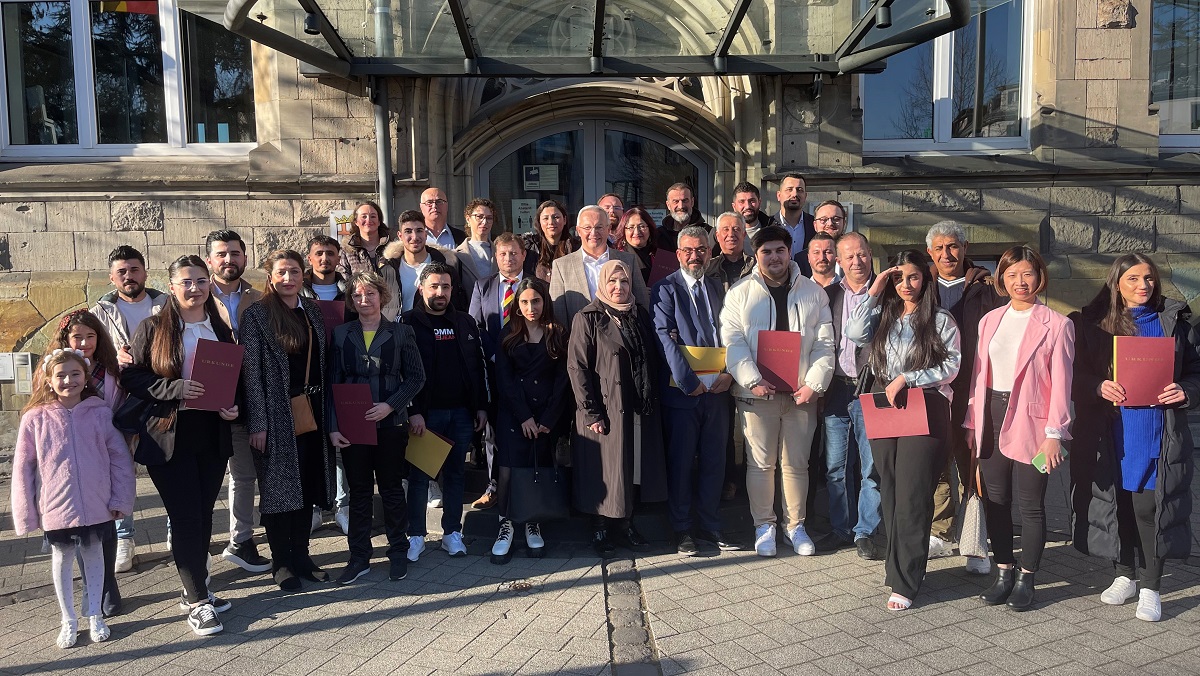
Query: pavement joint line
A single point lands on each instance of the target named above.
(632, 650)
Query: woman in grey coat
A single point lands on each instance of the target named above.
(284, 337)
(612, 363)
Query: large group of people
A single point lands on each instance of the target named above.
(600, 337)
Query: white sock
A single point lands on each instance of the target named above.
(63, 569)
(92, 556)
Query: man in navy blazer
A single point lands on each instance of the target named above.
(686, 307)
(487, 309)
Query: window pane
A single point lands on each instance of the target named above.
(220, 83)
(1175, 65)
(899, 101)
(550, 168)
(39, 73)
(986, 91)
(640, 170)
(126, 45)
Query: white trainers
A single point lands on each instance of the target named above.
(68, 634)
(125, 547)
(1121, 590)
(764, 539)
(416, 545)
(1149, 606)
(342, 518)
(533, 536)
(435, 495)
(977, 565)
(801, 542)
(98, 631)
(453, 543)
(317, 519)
(939, 548)
(504, 540)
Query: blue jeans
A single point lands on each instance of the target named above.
(844, 426)
(125, 528)
(456, 424)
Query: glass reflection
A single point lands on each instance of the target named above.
(986, 91)
(219, 78)
(898, 103)
(1175, 65)
(40, 73)
(550, 168)
(640, 170)
(128, 66)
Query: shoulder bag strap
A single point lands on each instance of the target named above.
(308, 360)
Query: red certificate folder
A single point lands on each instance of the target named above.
(662, 265)
(334, 313)
(884, 421)
(351, 401)
(217, 366)
(1144, 367)
(779, 359)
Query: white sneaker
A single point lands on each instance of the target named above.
(801, 542)
(68, 634)
(342, 518)
(416, 545)
(503, 540)
(1121, 590)
(978, 566)
(317, 519)
(98, 631)
(125, 547)
(764, 540)
(533, 536)
(939, 548)
(1149, 606)
(435, 495)
(452, 543)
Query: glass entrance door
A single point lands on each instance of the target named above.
(577, 162)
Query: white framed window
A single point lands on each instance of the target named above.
(965, 92)
(89, 79)
(1175, 72)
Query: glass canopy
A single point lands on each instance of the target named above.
(532, 38)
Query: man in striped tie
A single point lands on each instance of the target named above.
(492, 303)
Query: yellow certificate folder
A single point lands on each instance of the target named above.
(705, 361)
(428, 452)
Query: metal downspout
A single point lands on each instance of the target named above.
(383, 146)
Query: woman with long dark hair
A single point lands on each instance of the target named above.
(363, 250)
(550, 240)
(531, 372)
(196, 444)
(912, 347)
(1132, 466)
(1019, 408)
(636, 233)
(284, 376)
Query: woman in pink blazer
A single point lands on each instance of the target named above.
(1019, 408)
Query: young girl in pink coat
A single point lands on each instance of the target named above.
(72, 476)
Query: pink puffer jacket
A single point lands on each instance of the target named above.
(71, 468)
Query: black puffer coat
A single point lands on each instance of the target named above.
(1095, 468)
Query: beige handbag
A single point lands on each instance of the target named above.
(303, 420)
(972, 536)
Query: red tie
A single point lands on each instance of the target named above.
(506, 304)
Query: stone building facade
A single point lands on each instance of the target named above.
(1088, 176)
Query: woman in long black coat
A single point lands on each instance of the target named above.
(531, 374)
(1132, 491)
(612, 363)
(283, 333)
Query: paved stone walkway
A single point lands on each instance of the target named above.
(567, 613)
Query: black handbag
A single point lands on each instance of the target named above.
(538, 494)
(151, 428)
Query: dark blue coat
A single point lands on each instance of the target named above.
(675, 324)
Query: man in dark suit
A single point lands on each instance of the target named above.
(792, 194)
(843, 415)
(686, 307)
(492, 302)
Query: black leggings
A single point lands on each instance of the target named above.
(1138, 532)
(998, 470)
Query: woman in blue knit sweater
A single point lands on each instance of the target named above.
(1133, 468)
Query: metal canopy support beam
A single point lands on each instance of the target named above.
(613, 66)
(731, 28)
(858, 50)
(327, 31)
(236, 13)
(596, 64)
(470, 52)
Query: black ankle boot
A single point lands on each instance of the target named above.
(1000, 589)
(1021, 597)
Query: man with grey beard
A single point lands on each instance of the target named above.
(681, 203)
(686, 307)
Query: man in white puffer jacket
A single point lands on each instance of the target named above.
(779, 426)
